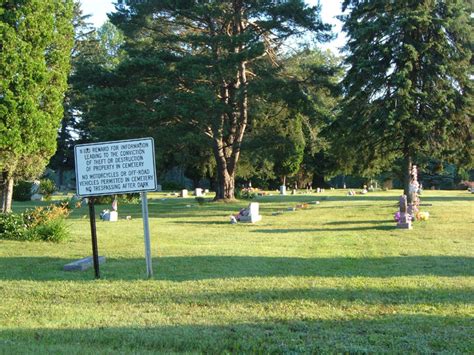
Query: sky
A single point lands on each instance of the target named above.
(330, 8)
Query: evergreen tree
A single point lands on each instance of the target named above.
(35, 41)
(199, 62)
(408, 88)
(84, 46)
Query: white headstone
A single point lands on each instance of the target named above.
(253, 215)
(184, 193)
(198, 192)
(282, 190)
(110, 216)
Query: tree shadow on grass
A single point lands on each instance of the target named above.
(329, 229)
(186, 268)
(415, 333)
(359, 222)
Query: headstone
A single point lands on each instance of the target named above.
(293, 192)
(253, 213)
(413, 189)
(282, 190)
(404, 221)
(198, 192)
(159, 188)
(82, 264)
(109, 216)
(184, 193)
(318, 190)
(206, 191)
(36, 197)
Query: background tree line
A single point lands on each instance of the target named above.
(217, 87)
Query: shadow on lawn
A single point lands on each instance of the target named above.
(309, 230)
(393, 333)
(185, 268)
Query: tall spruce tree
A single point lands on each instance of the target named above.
(408, 88)
(35, 41)
(202, 58)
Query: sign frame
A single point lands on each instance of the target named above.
(128, 191)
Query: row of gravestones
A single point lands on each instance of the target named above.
(293, 191)
(198, 192)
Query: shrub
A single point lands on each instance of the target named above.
(44, 215)
(22, 191)
(123, 198)
(246, 193)
(47, 188)
(13, 226)
(41, 223)
(52, 231)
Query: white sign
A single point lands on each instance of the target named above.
(117, 167)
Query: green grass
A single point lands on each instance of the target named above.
(336, 277)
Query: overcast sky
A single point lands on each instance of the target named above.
(330, 8)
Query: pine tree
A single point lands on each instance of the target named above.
(199, 58)
(408, 88)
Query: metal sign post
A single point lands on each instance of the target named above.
(146, 230)
(95, 253)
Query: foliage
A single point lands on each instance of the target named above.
(13, 226)
(47, 188)
(288, 123)
(246, 193)
(38, 224)
(133, 198)
(408, 88)
(171, 186)
(188, 71)
(36, 38)
(22, 191)
(54, 231)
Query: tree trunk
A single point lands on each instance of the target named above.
(283, 180)
(225, 186)
(225, 177)
(7, 195)
(407, 165)
(2, 191)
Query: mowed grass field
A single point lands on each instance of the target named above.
(335, 277)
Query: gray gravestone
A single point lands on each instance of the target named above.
(83, 264)
(404, 221)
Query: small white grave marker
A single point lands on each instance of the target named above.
(253, 215)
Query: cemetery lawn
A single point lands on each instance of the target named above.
(337, 276)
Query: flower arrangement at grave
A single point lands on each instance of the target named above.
(248, 193)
